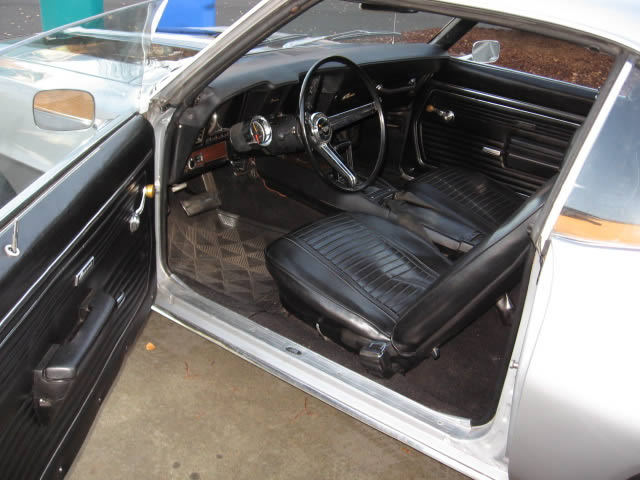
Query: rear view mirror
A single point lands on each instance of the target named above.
(485, 51)
(386, 8)
(64, 110)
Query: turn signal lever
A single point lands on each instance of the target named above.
(447, 115)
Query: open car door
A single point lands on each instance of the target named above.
(77, 270)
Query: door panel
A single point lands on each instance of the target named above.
(519, 140)
(76, 295)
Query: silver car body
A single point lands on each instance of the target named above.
(569, 397)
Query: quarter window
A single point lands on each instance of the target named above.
(604, 205)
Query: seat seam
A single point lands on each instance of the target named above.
(297, 278)
(348, 281)
(410, 256)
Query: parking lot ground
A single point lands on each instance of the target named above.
(184, 408)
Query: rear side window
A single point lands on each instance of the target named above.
(604, 205)
(539, 55)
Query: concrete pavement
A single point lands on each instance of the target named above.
(187, 409)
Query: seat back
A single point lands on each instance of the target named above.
(473, 283)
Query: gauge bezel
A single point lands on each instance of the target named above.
(266, 129)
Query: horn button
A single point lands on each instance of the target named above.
(320, 127)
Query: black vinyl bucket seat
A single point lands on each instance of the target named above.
(456, 207)
(389, 294)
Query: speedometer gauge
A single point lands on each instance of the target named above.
(260, 131)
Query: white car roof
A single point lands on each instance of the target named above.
(616, 21)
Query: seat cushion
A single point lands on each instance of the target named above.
(359, 271)
(467, 197)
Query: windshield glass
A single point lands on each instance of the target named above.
(346, 21)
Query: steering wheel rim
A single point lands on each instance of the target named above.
(317, 130)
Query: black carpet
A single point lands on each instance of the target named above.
(221, 256)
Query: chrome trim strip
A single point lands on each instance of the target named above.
(84, 271)
(494, 152)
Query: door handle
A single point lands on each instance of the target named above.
(62, 365)
(134, 219)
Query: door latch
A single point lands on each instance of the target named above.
(134, 220)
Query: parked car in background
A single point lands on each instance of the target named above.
(423, 213)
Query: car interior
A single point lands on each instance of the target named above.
(373, 202)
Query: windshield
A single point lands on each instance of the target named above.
(345, 21)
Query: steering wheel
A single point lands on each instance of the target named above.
(318, 128)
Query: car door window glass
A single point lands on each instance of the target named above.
(539, 55)
(106, 57)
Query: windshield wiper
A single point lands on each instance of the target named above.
(351, 34)
(281, 37)
(298, 39)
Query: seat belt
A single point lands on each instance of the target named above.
(413, 199)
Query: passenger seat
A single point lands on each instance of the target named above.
(458, 208)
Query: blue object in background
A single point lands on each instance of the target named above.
(55, 13)
(187, 13)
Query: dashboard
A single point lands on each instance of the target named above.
(251, 109)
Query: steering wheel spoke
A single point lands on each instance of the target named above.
(334, 159)
(317, 129)
(349, 117)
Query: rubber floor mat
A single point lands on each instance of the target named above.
(225, 254)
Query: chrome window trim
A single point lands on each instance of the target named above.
(594, 243)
